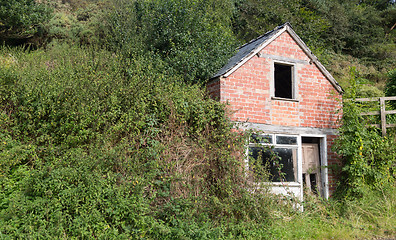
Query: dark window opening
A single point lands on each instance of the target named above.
(286, 140)
(283, 81)
(282, 167)
(310, 140)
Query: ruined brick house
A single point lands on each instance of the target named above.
(276, 86)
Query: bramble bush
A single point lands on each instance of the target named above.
(95, 145)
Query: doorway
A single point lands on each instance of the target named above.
(311, 165)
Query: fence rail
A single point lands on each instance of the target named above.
(382, 112)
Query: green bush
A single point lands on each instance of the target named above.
(21, 19)
(368, 91)
(84, 25)
(368, 158)
(95, 145)
(193, 38)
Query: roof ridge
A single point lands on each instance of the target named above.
(265, 34)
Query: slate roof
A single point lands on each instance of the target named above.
(247, 49)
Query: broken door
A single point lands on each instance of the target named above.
(311, 169)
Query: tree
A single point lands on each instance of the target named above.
(390, 89)
(192, 37)
(255, 17)
(21, 19)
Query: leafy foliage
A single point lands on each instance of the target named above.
(368, 157)
(257, 17)
(192, 37)
(21, 19)
(391, 84)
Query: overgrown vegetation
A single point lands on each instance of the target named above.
(369, 158)
(96, 145)
(107, 132)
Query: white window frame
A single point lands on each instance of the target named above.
(297, 146)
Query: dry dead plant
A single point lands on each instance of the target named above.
(194, 164)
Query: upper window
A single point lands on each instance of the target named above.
(283, 81)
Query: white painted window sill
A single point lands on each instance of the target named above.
(288, 184)
(282, 184)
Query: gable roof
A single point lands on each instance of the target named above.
(248, 50)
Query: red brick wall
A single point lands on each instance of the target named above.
(333, 163)
(319, 100)
(248, 90)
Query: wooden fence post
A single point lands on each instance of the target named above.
(383, 116)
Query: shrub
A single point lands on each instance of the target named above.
(368, 158)
(21, 19)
